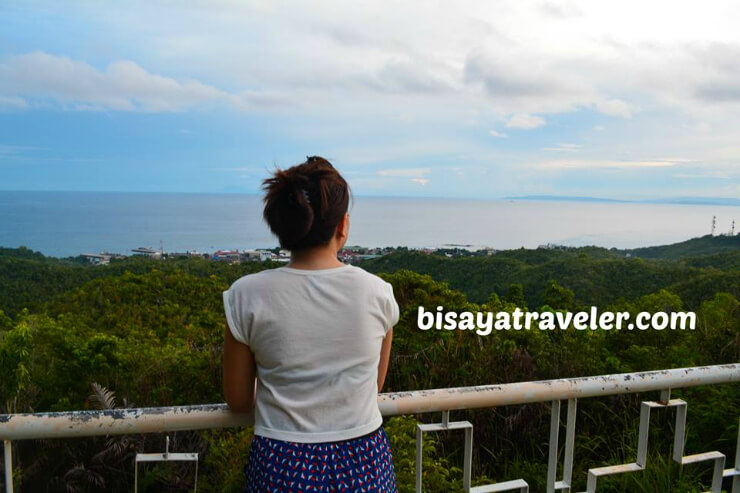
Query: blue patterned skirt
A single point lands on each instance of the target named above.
(359, 464)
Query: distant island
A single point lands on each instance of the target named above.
(673, 200)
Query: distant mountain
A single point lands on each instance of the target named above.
(670, 200)
(564, 198)
(701, 200)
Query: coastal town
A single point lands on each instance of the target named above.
(349, 254)
(355, 253)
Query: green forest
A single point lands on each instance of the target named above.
(142, 333)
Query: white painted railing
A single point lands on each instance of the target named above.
(167, 419)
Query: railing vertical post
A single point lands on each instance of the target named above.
(719, 467)
(419, 442)
(736, 479)
(552, 462)
(678, 434)
(468, 460)
(570, 437)
(665, 396)
(642, 438)
(8, 466)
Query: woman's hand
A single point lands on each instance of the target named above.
(240, 372)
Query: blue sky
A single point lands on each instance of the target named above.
(467, 99)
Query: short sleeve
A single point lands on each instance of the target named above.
(234, 318)
(392, 311)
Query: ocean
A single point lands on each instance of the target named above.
(65, 224)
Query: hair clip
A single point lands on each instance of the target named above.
(311, 159)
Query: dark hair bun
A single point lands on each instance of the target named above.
(304, 203)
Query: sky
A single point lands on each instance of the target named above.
(466, 99)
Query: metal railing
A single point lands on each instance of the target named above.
(182, 418)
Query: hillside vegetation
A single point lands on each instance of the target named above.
(706, 245)
(596, 275)
(146, 333)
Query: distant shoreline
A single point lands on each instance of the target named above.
(354, 253)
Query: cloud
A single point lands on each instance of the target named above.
(560, 10)
(417, 76)
(395, 91)
(239, 168)
(602, 164)
(39, 78)
(693, 176)
(542, 57)
(12, 102)
(15, 149)
(524, 79)
(415, 175)
(525, 121)
(405, 172)
(720, 82)
(564, 148)
(616, 107)
(498, 135)
(719, 92)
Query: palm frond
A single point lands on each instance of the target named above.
(102, 397)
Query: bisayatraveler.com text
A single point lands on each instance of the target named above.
(483, 323)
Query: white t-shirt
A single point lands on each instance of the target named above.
(316, 337)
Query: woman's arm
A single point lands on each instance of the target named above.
(385, 356)
(239, 375)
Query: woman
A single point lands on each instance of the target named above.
(307, 347)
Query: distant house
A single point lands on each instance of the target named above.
(281, 256)
(226, 255)
(265, 255)
(189, 253)
(348, 256)
(146, 252)
(97, 259)
(260, 255)
(249, 256)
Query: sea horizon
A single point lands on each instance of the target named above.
(69, 223)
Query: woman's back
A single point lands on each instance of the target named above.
(307, 347)
(316, 337)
